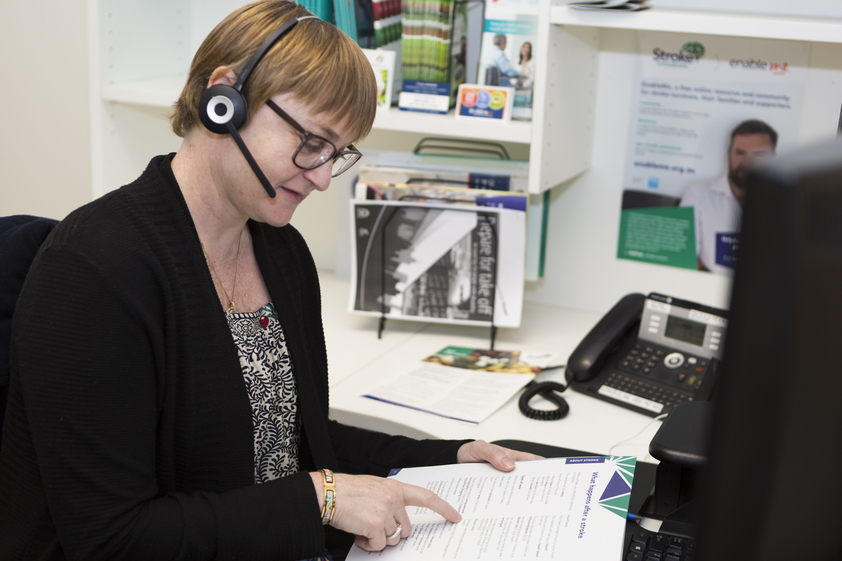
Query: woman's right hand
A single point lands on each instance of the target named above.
(372, 507)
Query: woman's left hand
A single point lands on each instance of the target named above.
(501, 458)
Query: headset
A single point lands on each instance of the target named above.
(223, 108)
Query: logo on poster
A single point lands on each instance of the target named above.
(688, 54)
(777, 68)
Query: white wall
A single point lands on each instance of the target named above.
(45, 149)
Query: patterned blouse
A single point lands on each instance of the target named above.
(267, 370)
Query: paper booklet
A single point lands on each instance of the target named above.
(507, 50)
(442, 263)
(460, 383)
(556, 508)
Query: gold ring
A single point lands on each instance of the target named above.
(396, 534)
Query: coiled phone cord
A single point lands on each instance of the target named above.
(549, 391)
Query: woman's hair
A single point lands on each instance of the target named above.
(520, 60)
(317, 63)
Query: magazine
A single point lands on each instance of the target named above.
(507, 51)
(460, 383)
(438, 262)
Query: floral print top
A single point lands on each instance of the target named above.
(267, 370)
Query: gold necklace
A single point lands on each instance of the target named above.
(231, 306)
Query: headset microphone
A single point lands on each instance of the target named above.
(223, 108)
(251, 161)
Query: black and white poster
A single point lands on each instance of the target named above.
(438, 263)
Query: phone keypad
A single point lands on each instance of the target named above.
(665, 366)
(655, 379)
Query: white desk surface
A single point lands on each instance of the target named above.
(357, 359)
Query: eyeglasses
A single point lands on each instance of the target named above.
(315, 151)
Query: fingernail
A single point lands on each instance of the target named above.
(508, 463)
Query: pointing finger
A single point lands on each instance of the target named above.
(417, 496)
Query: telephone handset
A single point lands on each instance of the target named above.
(650, 353)
(606, 336)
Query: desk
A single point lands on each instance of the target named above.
(357, 359)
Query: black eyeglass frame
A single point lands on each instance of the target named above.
(350, 151)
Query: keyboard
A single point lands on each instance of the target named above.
(643, 545)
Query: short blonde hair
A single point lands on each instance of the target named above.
(317, 63)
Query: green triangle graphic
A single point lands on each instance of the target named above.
(620, 502)
(625, 463)
(625, 466)
(617, 505)
(621, 512)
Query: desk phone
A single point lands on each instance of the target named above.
(650, 353)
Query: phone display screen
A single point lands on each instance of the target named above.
(685, 330)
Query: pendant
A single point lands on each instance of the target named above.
(231, 307)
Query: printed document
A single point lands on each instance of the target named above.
(556, 508)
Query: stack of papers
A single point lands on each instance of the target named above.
(557, 508)
(448, 179)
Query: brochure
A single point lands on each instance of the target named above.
(383, 63)
(462, 383)
(507, 51)
(556, 508)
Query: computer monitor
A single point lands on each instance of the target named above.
(772, 487)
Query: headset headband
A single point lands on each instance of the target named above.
(267, 44)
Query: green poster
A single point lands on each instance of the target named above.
(664, 235)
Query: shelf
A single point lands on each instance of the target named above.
(739, 25)
(447, 125)
(156, 92)
(163, 92)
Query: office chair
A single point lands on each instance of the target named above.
(20, 238)
(492, 76)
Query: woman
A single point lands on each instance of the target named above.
(169, 377)
(526, 66)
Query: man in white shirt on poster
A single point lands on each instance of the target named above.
(499, 58)
(718, 204)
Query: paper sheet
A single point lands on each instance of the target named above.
(558, 508)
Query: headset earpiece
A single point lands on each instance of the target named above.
(223, 109)
(222, 104)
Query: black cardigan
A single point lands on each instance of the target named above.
(129, 430)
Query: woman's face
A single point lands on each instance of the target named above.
(526, 51)
(272, 141)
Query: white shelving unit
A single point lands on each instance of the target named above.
(424, 123)
(569, 48)
(140, 51)
(738, 25)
